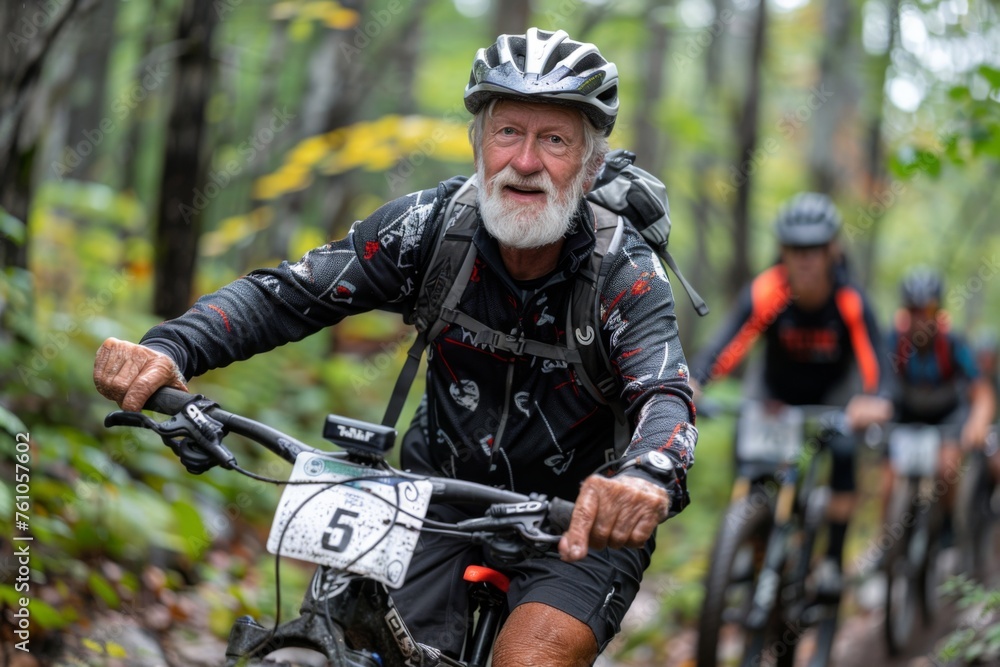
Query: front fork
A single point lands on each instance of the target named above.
(768, 588)
(338, 609)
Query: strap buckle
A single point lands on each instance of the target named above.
(516, 345)
(500, 341)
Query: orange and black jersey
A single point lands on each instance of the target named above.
(807, 353)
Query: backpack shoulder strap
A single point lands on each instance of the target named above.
(583, 320)
(444, 280)
(944, 350)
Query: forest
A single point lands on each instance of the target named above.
(152, 151)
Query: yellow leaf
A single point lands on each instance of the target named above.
(91, 645)
(288, 178)
(116, 650)
(303, 240)
(341, 18)
(234, 229)
(300, 29)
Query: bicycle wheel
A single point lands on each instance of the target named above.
(902, 593)
(822, 617)
(975, 519)
(931, 577)
(732, 577)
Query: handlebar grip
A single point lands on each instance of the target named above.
(168, 401)
(560, 513)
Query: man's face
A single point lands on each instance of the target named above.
(923, 321)
(808, 267)
(532, 167)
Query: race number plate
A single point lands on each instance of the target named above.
(349, 523)
(913, 450)
(767, 436)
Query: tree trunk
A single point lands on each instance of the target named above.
(647, 136)
(28, 37)
(829, 102)
(513, 17)
(184, 190)
(746, 139)
(877, 181)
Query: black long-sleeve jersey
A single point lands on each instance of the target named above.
(808, 353)
(516, 422)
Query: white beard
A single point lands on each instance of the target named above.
(527, 226)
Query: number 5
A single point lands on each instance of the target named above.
(346, 531)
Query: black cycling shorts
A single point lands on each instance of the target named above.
(434, 602)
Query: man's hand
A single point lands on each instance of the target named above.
(864, 410)
(613, 512)
(129, 374)
(981, 415)
(974, 434)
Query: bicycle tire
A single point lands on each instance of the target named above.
(930, 575)
(976, 521)
(744, 521)
(901, 587)
(826, 629)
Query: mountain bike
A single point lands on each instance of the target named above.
(759, 599)
(358, 518)
(976, 512)
(911, 530)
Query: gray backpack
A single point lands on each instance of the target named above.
(621, 191)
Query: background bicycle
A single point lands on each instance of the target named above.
(758, 597)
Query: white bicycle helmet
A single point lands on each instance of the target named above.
(808, 219)
(547, 66)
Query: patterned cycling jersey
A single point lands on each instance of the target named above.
(516, 422)
(808, 353)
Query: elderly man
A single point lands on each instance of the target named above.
(544, 105)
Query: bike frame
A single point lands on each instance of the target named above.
(797, 505)
(343, 611)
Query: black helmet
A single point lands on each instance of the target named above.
(921, 288)
(808, 219)
(550, 67)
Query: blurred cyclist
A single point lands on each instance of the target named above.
(821, 347)
(937, 378)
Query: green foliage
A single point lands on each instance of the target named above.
(978, 641)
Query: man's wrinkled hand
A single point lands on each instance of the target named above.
(129, 374)
(613, 512)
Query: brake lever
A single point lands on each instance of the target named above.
(133, 419)
(192, 423)
(526, 518)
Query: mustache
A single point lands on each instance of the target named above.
(509, 177)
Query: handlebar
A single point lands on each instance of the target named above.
(508, 509)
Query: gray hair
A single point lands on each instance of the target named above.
(594, 142)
